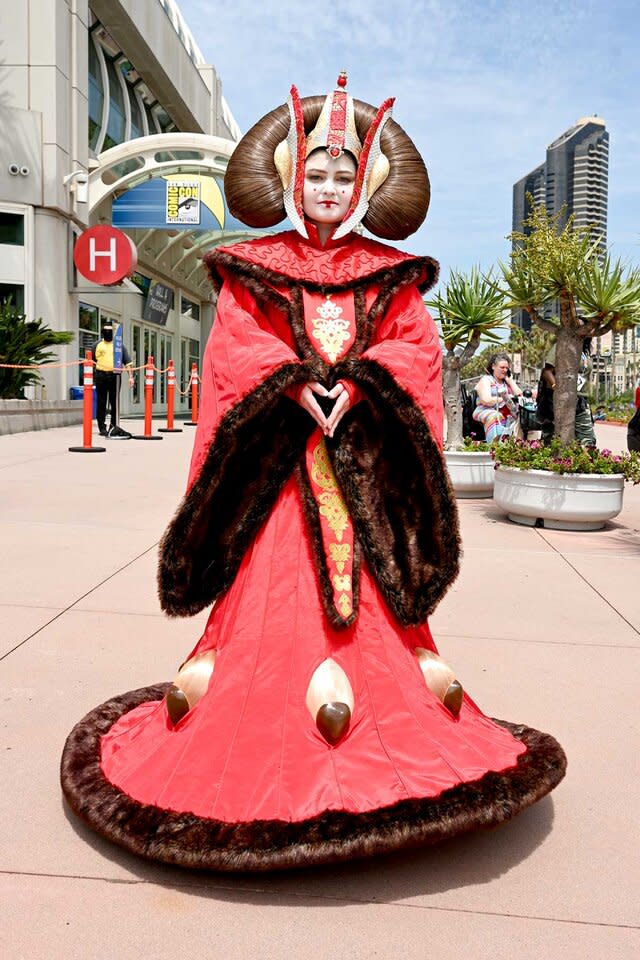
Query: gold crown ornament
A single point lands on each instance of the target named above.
(335, 131)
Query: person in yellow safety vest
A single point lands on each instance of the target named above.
(106, 380)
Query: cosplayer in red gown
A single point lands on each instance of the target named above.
(321, 723)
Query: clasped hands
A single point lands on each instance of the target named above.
(308, 401)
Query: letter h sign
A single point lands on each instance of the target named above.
(105, 255)
(94, 253)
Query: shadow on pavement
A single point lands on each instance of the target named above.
(471, 860)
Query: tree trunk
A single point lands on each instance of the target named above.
(568, 350)
(452, 405)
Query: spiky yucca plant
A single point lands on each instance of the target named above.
(24, 342)
(595, 295)
(470, 310)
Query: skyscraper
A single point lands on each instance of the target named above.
(575, 173)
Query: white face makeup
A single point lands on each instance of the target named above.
(328, 187)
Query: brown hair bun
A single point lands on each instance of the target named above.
(254, 191)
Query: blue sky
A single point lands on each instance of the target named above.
(482, 88)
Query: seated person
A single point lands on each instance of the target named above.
(497, 408)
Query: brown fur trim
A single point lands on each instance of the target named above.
(218, 262)
(259, 282)
(312, 518)
(389, 289)
(200, 843)
(364, 324)
(264, 294)
(299, 330)
(253, 453)
(397, 489)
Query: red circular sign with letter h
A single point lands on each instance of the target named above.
(105, 255)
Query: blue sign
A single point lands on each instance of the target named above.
(175, 202)
(117, 347)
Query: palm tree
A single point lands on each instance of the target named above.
(471, 309)
(595, 295)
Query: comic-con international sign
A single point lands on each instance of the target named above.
(183, 201)
(148, 204)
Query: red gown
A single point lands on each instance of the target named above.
(302, 575)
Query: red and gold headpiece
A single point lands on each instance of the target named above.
(336, 132)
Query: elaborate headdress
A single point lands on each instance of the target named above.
(265, 177)
(336, 132)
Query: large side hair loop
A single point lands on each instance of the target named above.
(254, 191)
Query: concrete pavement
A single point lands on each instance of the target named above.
(542, 626)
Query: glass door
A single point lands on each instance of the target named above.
(137, 391)
(146, 342)
(165, 353)
(189, 354)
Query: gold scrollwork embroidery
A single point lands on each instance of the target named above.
(330, 328)
(342, 582)
(340, 553)
(344, 605)
(333, 507)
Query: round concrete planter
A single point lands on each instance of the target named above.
(471, 473)
(578, 501)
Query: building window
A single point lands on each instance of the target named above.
(165, 123)
(12, 229)
(189, 354)
(117, 123)
(88, 330)
(138, 114)
(151, 122)
(137, 127)
(96, 96)
(13, 292)
(190, 309)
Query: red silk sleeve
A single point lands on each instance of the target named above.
(295, 392)
(406, 343)
(354, 391)
(243, 349)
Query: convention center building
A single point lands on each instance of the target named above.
(109, 113)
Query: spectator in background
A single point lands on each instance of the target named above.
(107, 380)
(584, 420)
(497, 407)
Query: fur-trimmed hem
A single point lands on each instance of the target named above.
(259, 845)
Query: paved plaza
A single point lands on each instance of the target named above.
(543, 627)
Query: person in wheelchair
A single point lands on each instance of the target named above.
(497, 405)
